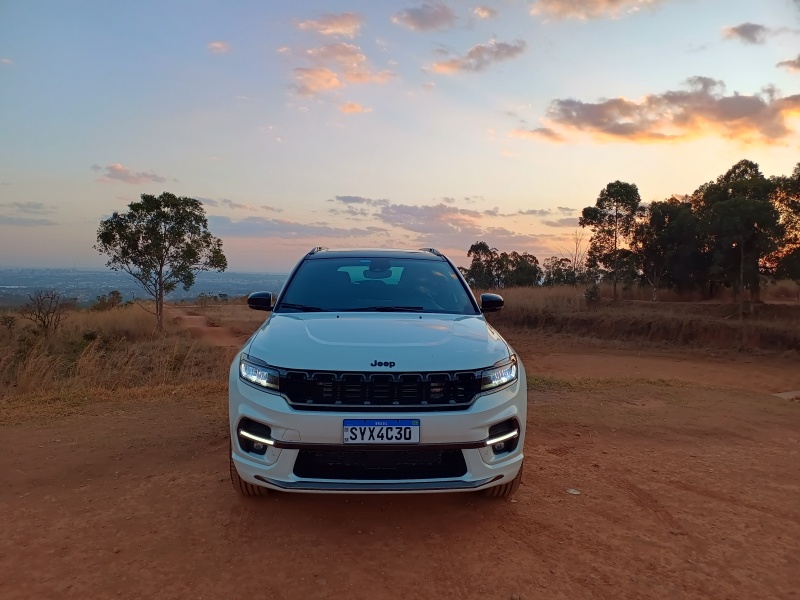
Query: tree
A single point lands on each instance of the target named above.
(576, 256)
(743, 225)
(46, 309)
(522, 270)
(161, 242)
(789, 267)
(557, 271)
(108, 301)
(664, 243)
(481, 270)
(611, 221)
(786, 198)
(492, 269)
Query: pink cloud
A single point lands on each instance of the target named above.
(219, 47)
(118, 172)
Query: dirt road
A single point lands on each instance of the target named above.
(687, 490)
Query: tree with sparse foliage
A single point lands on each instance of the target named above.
(611, 221)
(162, 242)
(45, 309)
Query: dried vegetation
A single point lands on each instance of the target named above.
(773, 326)
(104, 352)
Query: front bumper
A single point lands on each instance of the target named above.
(292, 432)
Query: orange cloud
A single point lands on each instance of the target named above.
(704, 109)
(219, 47)
(315, 80)
(345, 25)
(589, 9)
(350, 66)
(792, 64)
(539, 133)
(350, 108)
(485, 12)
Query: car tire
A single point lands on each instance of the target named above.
(240, 485)
(506, 490)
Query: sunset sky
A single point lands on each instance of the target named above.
(364, 123)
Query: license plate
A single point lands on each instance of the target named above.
(383, 431)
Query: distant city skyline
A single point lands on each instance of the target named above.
(361, 124)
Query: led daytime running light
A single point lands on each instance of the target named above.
(502, 438)
(255, 438)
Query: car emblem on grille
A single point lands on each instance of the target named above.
(377, 363)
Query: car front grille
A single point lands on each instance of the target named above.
(380, 391)
(379, 465)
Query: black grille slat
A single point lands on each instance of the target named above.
(380, 391)
(366, 465)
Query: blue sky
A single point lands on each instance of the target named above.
(378, 124)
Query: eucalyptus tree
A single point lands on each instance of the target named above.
(743, 224)
(611, 221)
(162, 242)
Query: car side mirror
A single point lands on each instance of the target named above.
(491, 303)
(260, 301)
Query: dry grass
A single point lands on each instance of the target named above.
(107, 351)
(772, 327)
(781, 291)
(236, 316)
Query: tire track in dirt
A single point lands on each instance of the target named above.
(647, 502)
(200, 327)
(732, 500)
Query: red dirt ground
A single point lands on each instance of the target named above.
(690, 488)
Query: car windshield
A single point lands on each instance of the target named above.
(376, 284)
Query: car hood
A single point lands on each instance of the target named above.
(413, 342)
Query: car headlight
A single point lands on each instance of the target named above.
(500, 376)
(259, 374)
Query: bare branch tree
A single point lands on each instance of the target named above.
(576, 254)
(46, 309)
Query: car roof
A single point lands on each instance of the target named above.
(422, 254)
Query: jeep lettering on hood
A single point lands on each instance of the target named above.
(377, 363)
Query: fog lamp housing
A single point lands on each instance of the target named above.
(504, 437)
(254, 437)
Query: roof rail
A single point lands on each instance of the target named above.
(432, 251)
(316, 249)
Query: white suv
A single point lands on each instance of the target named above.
(376, 372)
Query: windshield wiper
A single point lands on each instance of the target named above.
(301, 307)
(386, 309)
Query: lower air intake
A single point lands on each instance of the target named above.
(380, 465)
